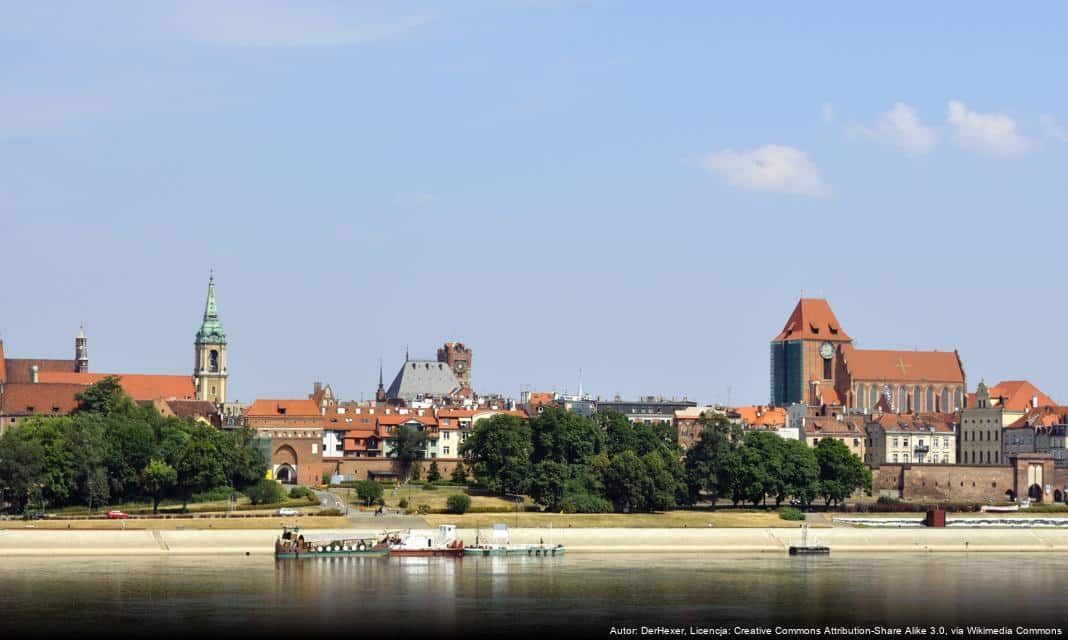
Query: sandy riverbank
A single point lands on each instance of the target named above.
(30, 542)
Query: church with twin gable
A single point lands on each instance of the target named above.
(814, 363)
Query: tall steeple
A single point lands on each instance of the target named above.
(211, 331)
(380, 395)
(209, 369)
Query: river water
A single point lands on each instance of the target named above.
(577, 595)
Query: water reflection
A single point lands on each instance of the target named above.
(480, 596)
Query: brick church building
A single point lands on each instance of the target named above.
(814, 363)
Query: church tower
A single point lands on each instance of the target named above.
(81, 352)
(209, 370)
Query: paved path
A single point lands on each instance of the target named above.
(367, 520)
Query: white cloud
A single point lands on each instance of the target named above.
(771, 167)
(993, 133)
(1052, 129)
(900, 127)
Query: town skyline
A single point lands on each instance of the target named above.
(388, 370)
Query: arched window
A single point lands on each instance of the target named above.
(213, 360)
(957, 400)
(873, 397)
(902, 400)
(931, 399)
(861, 397)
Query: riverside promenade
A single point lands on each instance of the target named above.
(62, 542)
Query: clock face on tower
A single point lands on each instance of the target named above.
(826, 350)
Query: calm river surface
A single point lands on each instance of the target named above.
(575, 595)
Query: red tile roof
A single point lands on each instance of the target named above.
(1018, 394)
(397, 418)
(761, 416)
(916, 422)
(828, 425)
(271, 408)
(18, 369)
(1042, 416)
(136, 385)
(812, 319)
(870, 365)
(24, 398)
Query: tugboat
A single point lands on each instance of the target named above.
(444, 544)
(500, 544)
(293, 544)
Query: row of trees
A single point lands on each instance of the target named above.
(112, 450)
(757, 465)
(568, 462)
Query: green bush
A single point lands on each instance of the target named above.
(790, 513)
(215, 495)
(403, 504)
(329, 512)
(458, 503)
(300, 492)
(433, 474)
(585, 503)
(887, 500)
(429, 487)
(369, 491)
(265, 492)
(423, 509)
(459, 474)
(326, 478)
(416, 471)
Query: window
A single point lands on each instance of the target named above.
(827, 369)
(445, 450)
(895, 457)
(906, 457)
(895, 442)
(315, 448)
(445, 435)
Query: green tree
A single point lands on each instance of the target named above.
(459, 473)
(841, 472)
(433, 474)
(766, 476)
(409, 445)
(105, 397)
(415, 471)
(200, 463)
(566, 437)
(800, 473)
(21, 468)
(661, 484)
(369, 491)
(458, 503)
(548, 483)
(624, 480)
(707, 460)
(500, 450)
(157, 478)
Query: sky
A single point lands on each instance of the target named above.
(639, 191)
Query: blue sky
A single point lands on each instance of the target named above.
(638, 190)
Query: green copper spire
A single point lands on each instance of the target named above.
(211, 331)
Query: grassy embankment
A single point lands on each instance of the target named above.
(174, 507)
(203, 522)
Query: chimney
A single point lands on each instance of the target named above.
(318, 387)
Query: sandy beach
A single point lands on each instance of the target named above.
(39, 542)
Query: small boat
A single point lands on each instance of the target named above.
(500, 544)
(806, 549)
(418, 545)
(293, 544)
